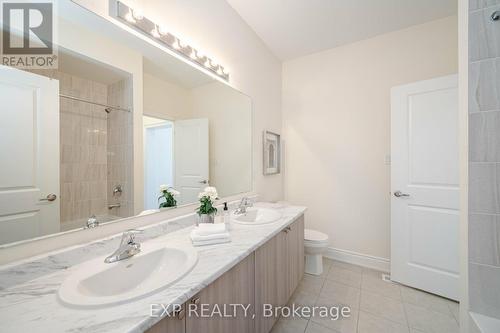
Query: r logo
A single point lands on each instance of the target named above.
(27, 28)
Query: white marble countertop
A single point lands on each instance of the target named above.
(28, 291)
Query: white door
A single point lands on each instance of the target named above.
(29, 155)
(190, 158)
(158, 157)
(425, 186)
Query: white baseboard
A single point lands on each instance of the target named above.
(380, 264)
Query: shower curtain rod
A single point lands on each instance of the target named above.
(95, 103)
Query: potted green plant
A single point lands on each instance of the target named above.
(206, 211)
(167, 195)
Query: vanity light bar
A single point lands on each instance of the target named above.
(136, 20)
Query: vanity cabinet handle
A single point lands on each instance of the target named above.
(181, 314)
(287, 229)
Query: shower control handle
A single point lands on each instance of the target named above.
(50, 197)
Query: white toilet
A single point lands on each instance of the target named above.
(315, 244)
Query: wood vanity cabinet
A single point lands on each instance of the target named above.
(270, 275)
(295, 255)
(174, 324)
(234, 287)
(270, 279)
(279, 267)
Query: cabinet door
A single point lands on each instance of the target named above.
(270, 279)
(174, 324)
(295, 255)
(236, 286)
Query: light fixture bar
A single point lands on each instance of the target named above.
(152, 30)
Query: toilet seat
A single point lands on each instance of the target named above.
(314, 237)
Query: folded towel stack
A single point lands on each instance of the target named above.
(207, 234)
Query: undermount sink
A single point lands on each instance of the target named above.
(256, 216)
(97, 284)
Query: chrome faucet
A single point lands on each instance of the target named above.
(244, 204)
(92, 222)
(128, 247)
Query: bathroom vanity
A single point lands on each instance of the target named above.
(269, 275)
(262, 264)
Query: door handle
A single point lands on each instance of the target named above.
(204, 181)
(400, 194)
(50, 197)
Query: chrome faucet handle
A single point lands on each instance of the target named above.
(128, 236)
(245, 201)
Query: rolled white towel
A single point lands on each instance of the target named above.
(202, 238)
(205, 229)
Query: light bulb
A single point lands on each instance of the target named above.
(220, 71)
(176, 45)
(137, 14)
(193, 55)
(182, 45)
(129, 17)
(162, 30)
(155, 32)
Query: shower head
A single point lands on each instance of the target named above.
(108, 110)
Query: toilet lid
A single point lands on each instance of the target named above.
(313, 235)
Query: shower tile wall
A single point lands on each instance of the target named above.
(119, 158)
(484, 158)
(95, 149)
(83, 149)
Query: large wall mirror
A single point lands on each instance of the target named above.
(93, 141)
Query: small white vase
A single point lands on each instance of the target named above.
(206, 218)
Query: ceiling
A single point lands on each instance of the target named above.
(294, 28)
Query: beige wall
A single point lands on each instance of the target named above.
(229, 115)
(336, 110)
(229, 119)
(254, 70)
(165, 100)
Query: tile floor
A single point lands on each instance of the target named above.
(377, 306)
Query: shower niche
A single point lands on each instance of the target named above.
(95, 113)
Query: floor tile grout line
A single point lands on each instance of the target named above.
(324, 326)
(359, 313)
(380, 317)
(307, 325)
(453, 313)
(404, 304)
(404, 310)
(431, 310)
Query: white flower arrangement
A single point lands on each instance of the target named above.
(210, 192)
(170, 190)
(168, 193)
(207, 201)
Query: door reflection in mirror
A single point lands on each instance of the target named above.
(158, 158)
